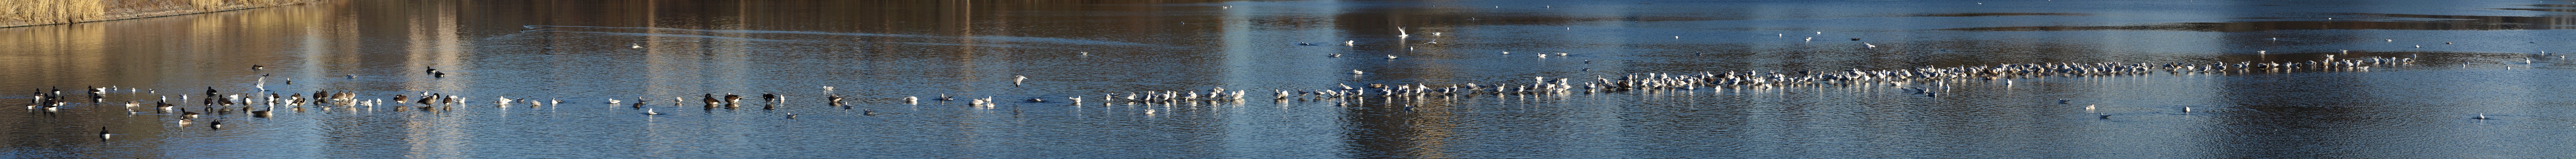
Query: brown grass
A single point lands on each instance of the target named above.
(41, 12)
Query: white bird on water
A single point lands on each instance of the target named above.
(1350, 42)
(633, 45)
(2262, 52)
(1507, 52)
(649, 111)
(1390, 57)
(1870, 45)
(613, 101)
(1357, 72)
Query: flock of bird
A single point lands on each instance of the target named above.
(1916, 81)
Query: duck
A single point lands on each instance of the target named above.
(649, 111)
(1357, 72)
(103, 134)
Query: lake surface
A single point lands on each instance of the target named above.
(2485, 85)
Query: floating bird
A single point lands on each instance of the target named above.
(257, 67)
(649, 111)
(1867, 44)
(1390, 57)
(103, 135)
(1357, 72)
(2482, 117)
(634, 45)
(1507, 52)
(2061, 101)
(612, 101)
(1350, 43)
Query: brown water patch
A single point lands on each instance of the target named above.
(1993, 14)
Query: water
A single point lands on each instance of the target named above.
(876, 53)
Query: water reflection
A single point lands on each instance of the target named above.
(878, 52)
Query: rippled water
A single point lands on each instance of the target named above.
(2472, 63)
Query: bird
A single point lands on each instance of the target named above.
(103, 135)
(217, 125)
(1507, 52)
(1400, 34)
(2186, 109)
(634, 45)
(257, 67)
(1015, 79)
(2482, 117)
(2088, 107)
(1390, 57)
(2061, 101)
(791, 115)
(1867, 44)
(2262, 52)
(1357, 72)
(612, 101)
(827, 88)
(649, 111)
(1542, 56)
(1037, 99)
(1337, 55)
(870, 112)
(1350, 43)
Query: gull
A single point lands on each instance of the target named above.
(1357, 72)
(1400, 34)
(1390, 57)
(1349, 42)
(1870, 45)
(633, 45)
